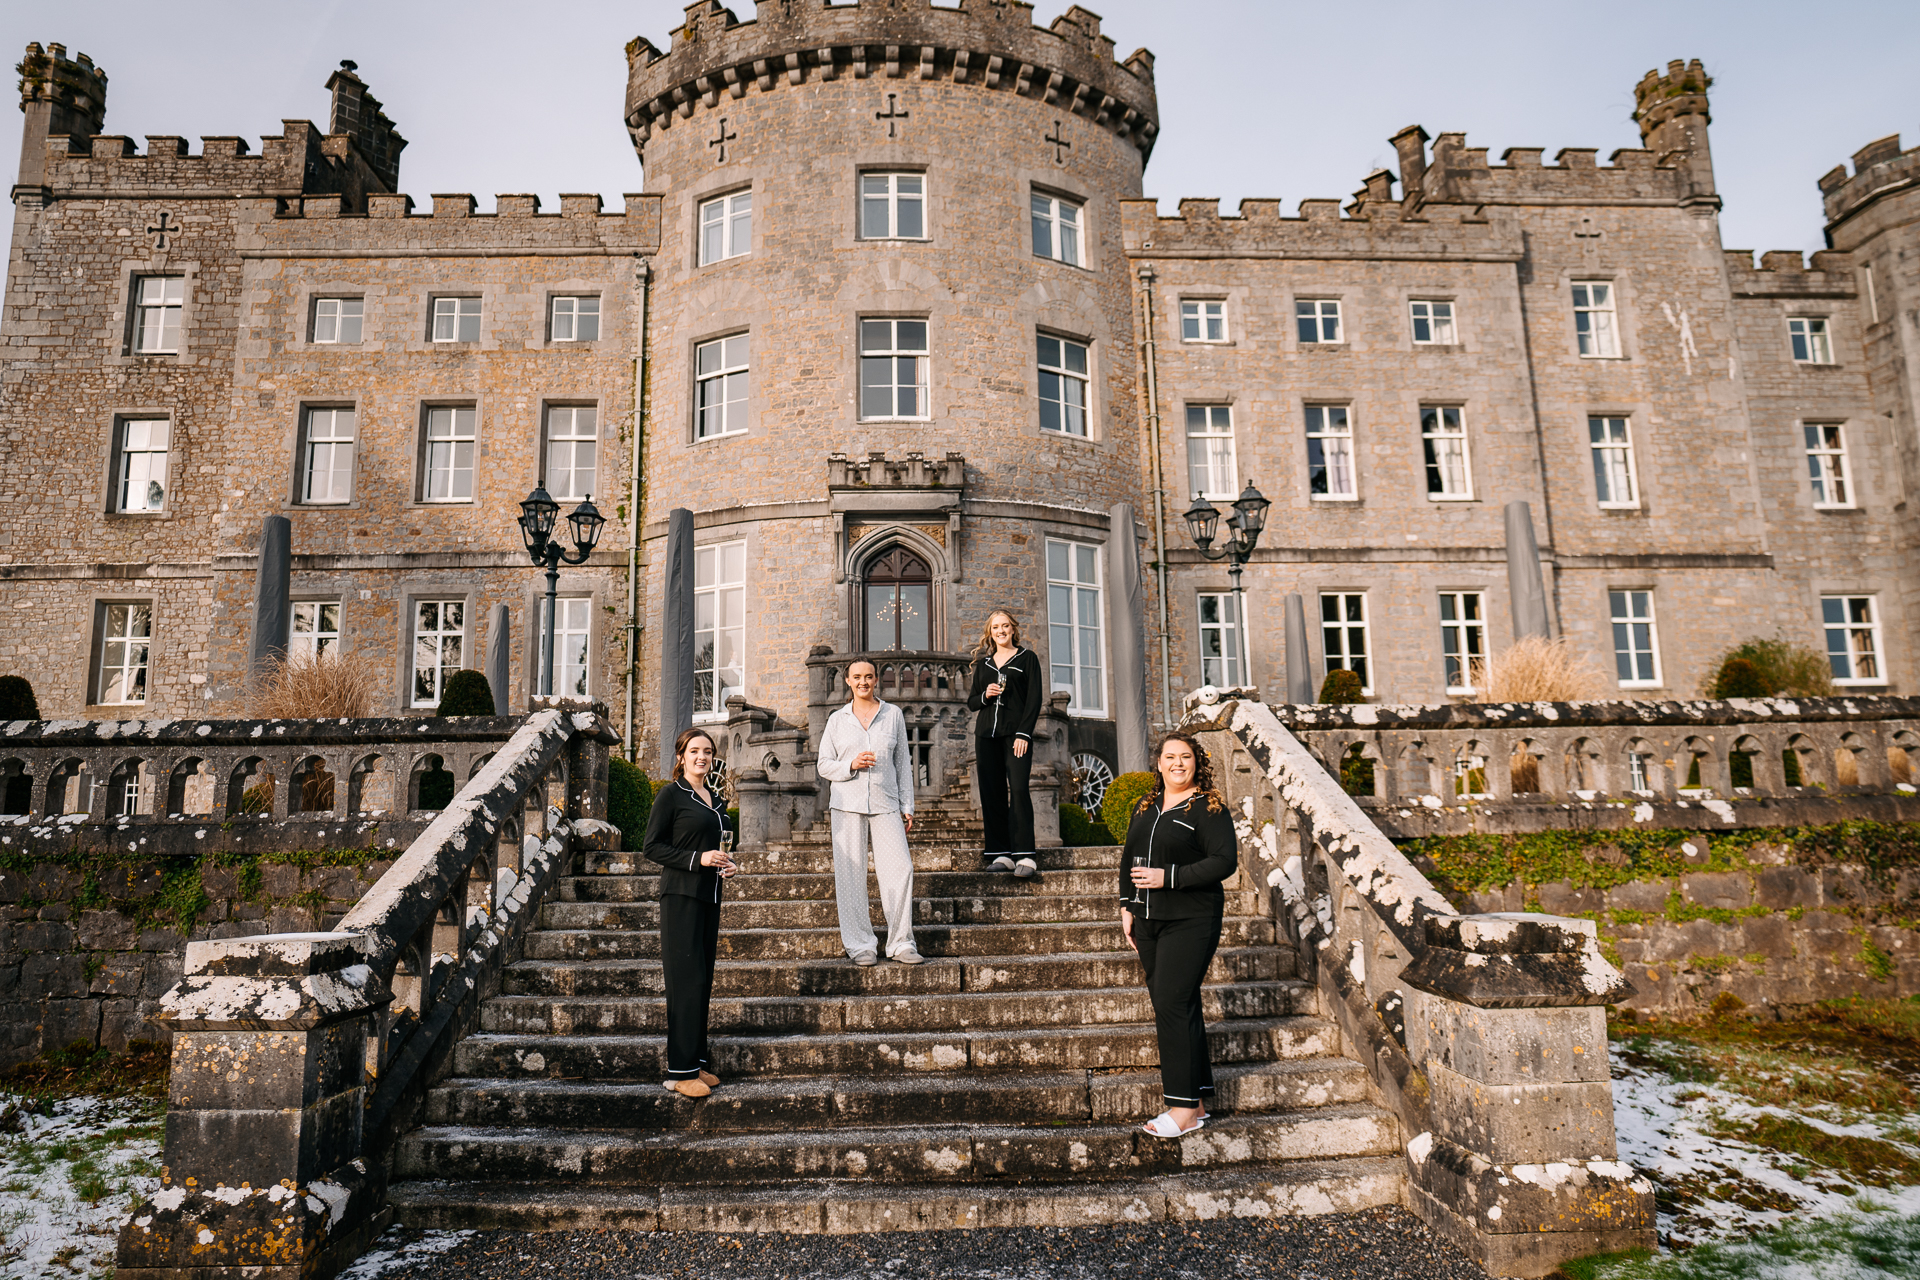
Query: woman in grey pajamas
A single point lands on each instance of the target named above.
(864, 754)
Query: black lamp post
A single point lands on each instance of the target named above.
(1248, 519)
(537, 515)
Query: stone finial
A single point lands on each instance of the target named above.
(74, 89)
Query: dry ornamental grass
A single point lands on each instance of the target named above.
(327, 686)
(1538, 670)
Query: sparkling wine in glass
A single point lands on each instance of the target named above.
(726, 843)
(1138, 860)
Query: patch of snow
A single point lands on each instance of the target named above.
(400, 1248)
(46, 1215)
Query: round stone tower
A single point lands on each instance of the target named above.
(893, 366)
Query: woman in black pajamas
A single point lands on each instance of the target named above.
(683, 836)
(1007, 693)
(1180, 848)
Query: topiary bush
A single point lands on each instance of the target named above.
(629, 801)
(1779, 669)
(1079, 830)
(1738, 678)
(16, 699)
(1124, 795)
(467, 694)
(1341, 686)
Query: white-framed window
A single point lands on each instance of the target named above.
(326, 456)
(140, 475)
(1203, 320)
(572, 634)
(1210, 466)
(157, 304)
(456, 319)
(576, 319)
(1810, 341)
(1593, 319)
(893, 369)
(573, 443)
(1443, 440)
(338, 320)
(1616, 482)
(446, 469)
(893, 206)
(726, 227)
(1063, 385)
(1318, 319)
(315, 629)
(1827, 464)
(1330, 452)
(126, 638)
(1636, 639)
(1076, 635)
(1344, 638)
(1463, 637)
(1056, 228)
(719, 626)
(439, 647)
(1852, 625)
(1432, 322)
(720, 387)
(1223, 656)
(1637, 771)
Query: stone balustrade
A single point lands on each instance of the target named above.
(1485, 1034)
(298, 1058)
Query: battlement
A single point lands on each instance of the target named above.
(992, 44)
(74, 90)
(1880, 169)
(107, 164)
(1200, 230)
(1456, 173)
(392, 223)
(1784, 273)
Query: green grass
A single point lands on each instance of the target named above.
(1857, 1248)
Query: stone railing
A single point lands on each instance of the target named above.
(299, 1057)
(198, 786)
(1485, 1034)
(1524, 766)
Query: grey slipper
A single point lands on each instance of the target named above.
(1026, 869)
(1002, 863)
(865, 959)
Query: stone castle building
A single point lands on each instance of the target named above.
(892, 338)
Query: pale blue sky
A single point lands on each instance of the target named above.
(1288, 100)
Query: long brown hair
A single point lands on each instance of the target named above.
(986, 645)
(680, 750)
(1202, 774)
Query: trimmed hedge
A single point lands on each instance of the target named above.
(1124, 795)
(16, 699)
(1078, 829)
(1341, 686)
(467, 694)
(629, 801)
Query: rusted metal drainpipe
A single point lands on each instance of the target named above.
(641, 369)
(1147, 355)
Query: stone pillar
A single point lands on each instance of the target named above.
(1128, 646)
(272, 607)
(499, 658)
(1508, 1025)
(1299, 657)
(262, 1171)
(676, 636)
(1526, 592)
(753, 793)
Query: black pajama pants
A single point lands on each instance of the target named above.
(1006, 804)
(689, 944)
(1175, 955)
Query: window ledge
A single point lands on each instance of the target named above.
(1603, 357)
(1334, 499)
(1629, 508)
(716, 439)
(1880, 683)
(1642, 684)
(1207, 342)
(1818, 364)
(1835, 506)
(138, 515)
(1451, 497)
(1444, 348)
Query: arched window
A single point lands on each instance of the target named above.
(899, 605)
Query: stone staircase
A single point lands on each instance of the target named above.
(1002, 1083)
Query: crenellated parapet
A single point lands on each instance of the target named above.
(451, 225)
(1199, 230)
(73, 90)
(1880, 170)
(108, 165)
(989, 44)
(1785, 273)
(1456, 173)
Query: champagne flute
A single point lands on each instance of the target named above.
(726, 847)
(1136, 861)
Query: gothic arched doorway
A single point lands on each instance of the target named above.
(898, 610)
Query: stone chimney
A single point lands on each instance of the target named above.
(357, 116)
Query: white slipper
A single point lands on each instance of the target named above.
(1163, 1126)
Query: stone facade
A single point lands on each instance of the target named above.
(794, 111)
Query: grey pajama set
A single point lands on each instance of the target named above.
(866, 809)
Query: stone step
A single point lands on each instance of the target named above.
(817, 1103)
(820, 944)
(816, 885)
(840, 976)
(819, 858)
(830, 1015)
(864, 1208)
(944, 1153)
(754, 913)
(618, 1057)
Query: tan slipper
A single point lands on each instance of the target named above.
(689, 1088)
(709, 1079)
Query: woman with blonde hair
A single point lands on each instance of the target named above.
(1008, 691)
(1180, 849)
(686, 836)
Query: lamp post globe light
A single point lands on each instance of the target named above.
(1249, 518)
(538, 512)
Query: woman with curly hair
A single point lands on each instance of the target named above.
(1180, 848)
